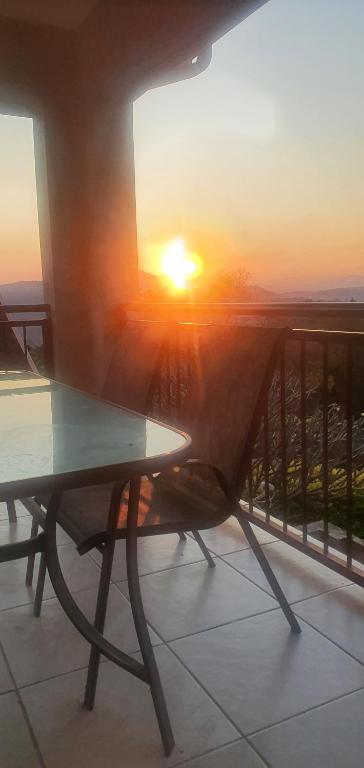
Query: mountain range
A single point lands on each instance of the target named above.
(343, 293)
(31, 292)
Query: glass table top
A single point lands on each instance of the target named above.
(53, 436)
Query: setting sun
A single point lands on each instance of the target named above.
(178, 264)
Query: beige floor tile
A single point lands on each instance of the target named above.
(260, 673)
(190, 599)
(20, 510)
(340, 616)
(239, 755)
(331, 736)
(13, 532)
(38, 648)
(122, 729)
(229, 537)
(299, 576)
(155, 553)
(6, 683)
(80, 573)
(16, 746)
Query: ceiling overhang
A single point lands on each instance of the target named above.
(110, 44)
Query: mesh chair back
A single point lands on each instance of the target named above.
(218, 394)
(129, 379)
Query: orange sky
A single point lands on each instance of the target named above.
(257, 163)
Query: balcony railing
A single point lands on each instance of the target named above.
(26, 330)
(306, 482)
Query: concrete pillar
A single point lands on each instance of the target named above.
(86, 202)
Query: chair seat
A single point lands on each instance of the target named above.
(171, 502)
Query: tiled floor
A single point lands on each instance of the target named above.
(241, 690)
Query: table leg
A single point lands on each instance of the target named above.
(148, 672)
(86, 629)
(140, 621)
(103, 592)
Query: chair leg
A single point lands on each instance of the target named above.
(210, 561)
(11, 511)
(40, 585)
(31, 558)
(182, 536)
(268, 573)
(100, 616)
(140, 620)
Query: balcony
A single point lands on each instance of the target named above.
(239, 687)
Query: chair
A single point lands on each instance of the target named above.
(128, 382)
(218, 396)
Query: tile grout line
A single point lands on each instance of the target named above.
(243, 737)
(333, 642)
(209, 695)
(161, 570)
(217, 750)
(252, 734)
(264, 759)
(21, 688)
(219, 626)
(16, 691)
(294, 602)
(322, 594)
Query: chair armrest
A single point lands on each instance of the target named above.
(219, 475)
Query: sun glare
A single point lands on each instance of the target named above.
(179, 265)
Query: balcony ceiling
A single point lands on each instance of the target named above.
(218, 15)
(47, 43)
(66, 14)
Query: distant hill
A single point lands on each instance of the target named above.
(330, 294)
(23, 292)
(31, 292)
(256, 293)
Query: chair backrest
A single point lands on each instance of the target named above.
(229, 377)
(129, 379)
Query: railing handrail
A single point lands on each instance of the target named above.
(307, 334)
(299, 308)
(38, 322)
(13, 309)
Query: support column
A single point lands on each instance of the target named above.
(86, 203)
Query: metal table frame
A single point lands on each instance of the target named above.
(121, 475)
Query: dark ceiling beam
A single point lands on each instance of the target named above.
(29, 57)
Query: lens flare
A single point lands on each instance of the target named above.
(179, 265)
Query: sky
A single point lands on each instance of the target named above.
(258, 163)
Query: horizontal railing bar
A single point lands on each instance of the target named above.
(41, 322)
(25, 308)
(336, 562)
(303, 309)
(347, 337)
